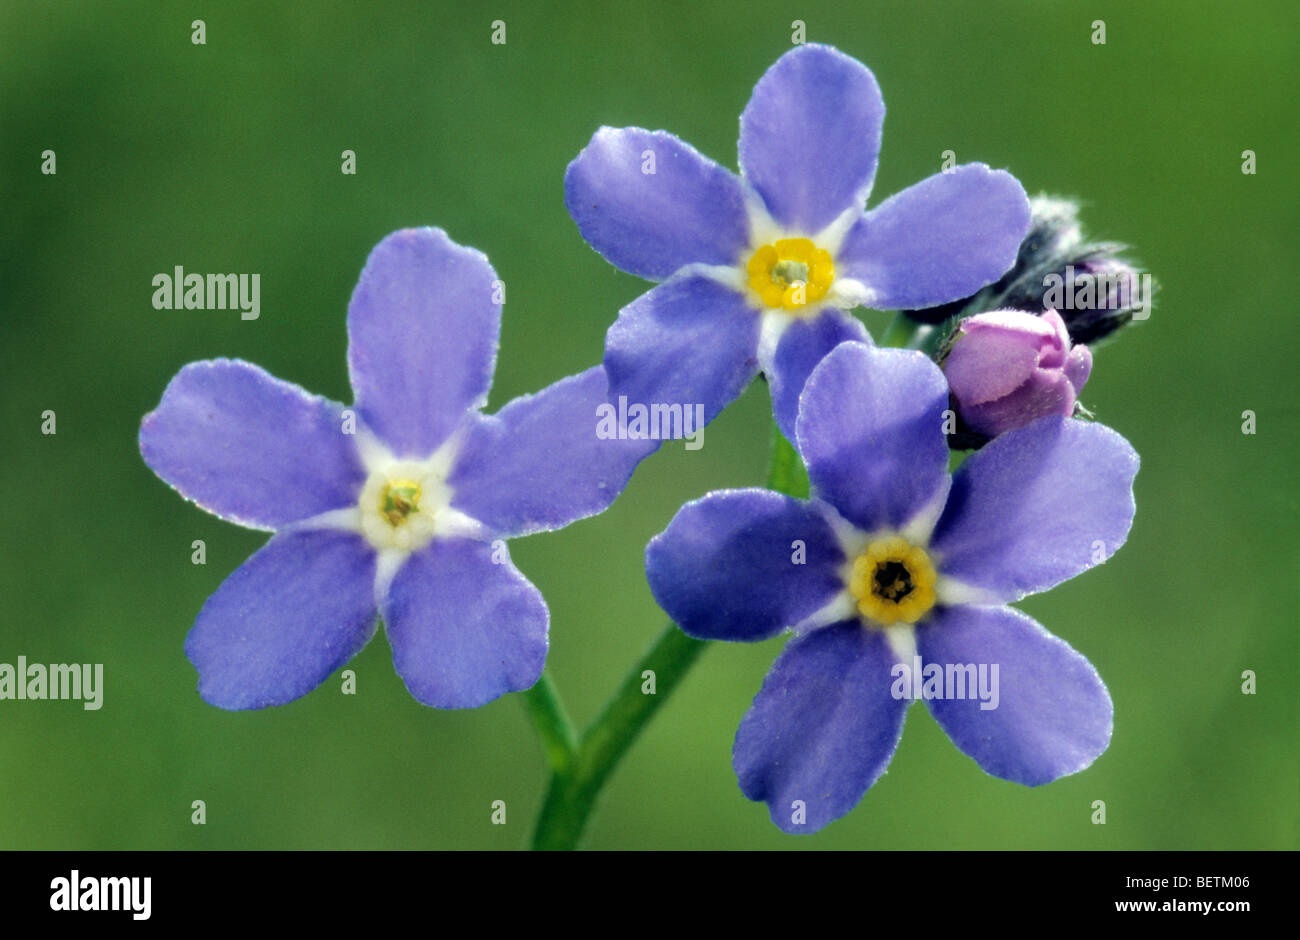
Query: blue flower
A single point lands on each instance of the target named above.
(397, 505)
(759, 270)
(894, 564)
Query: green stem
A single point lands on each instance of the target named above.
(559, 739)
(572, 794)
(580, 768)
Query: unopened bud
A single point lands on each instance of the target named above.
(1007, 368)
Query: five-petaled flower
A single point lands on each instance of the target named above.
(397, 505)
(759, 270)
(892, 559)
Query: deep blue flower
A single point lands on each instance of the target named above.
(397, 505)
(760, 269)
(893, 559)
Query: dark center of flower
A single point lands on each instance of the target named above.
(892, 581)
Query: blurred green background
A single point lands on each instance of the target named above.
(226, 157)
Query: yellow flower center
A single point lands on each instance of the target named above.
(893, 580)
(398, 499)
(792, 274)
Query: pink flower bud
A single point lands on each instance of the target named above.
(1008, 367)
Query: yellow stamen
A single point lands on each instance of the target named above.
(792, 274)
(893, 580)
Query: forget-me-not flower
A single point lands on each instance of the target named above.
(760, 269)
(894, 559)
(398, 505)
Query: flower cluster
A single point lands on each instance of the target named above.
(894, 576)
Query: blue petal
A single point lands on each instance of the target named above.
(1037, 506)
(689, 341)
(743, 564)
(1053, 714)
(423, 328)
(539, 464)
(823, 728)
(249, 447)
(466, 627)
(689, 210)
(298, 609)
(810, 136)
(870, 430)
(940, 240)
(802, 346)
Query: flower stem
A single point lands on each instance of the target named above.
(572, 794)
(580, 768)
(559, 739)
